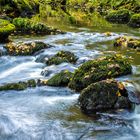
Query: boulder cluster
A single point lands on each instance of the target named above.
(95, 81)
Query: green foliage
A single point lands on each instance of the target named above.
(100, 69)
(20, 7)
(120, 16)
(135, 21)
(6, 28)
(60, 79)
(25, 25)
(120, 4)
(62, 56)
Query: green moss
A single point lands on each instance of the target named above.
(120, 16)
(100, 69)
(25, 25)
(125, 41)
(60, 79)
(62, 56)
(6, 28)
(19, 85)
(135, 21)
(102, 96)
(31, 83)
(25, 48)
(24, 8)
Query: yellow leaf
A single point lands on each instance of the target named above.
(118, 93)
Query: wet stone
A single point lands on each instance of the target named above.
(18, 86)
(25, 25)
(104, 95)
(25, 48)
(59, 80)
(126, 41)
(61, 57)
(100, 69)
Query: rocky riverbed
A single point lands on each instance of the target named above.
(42, 112)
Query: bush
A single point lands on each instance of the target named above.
(120, 16)
(6, 28)
(135, 21)
(25, 25)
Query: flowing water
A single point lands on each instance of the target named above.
(49, 113)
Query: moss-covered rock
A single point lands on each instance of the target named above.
(100, 69)
(104, 95)
(61, 79)
(19, 85)
(25, 25)
(125, 41)
(62, 56)
(15, 8)
(120, 16)
(25, 48)
(6, 28)
(135, 21)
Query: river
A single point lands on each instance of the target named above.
(50, 113)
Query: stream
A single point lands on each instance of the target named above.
(50, 113)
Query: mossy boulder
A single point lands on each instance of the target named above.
(18, 86)
(125, 41)
(100, 69)
(104, 95)
(119, 16)
(25, 48)
(15, 8)
(6, 28)
(135, 21)
(25, 25)
(62, 56)
(59, 80)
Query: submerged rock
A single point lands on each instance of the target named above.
(18, 86)
(135, 21)
(62, 56)
(120, 16)
(125, 41)
(25, 25)
(6, 28)
(104, 95)
(100, 69)
(61, 79)
(25, 48)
